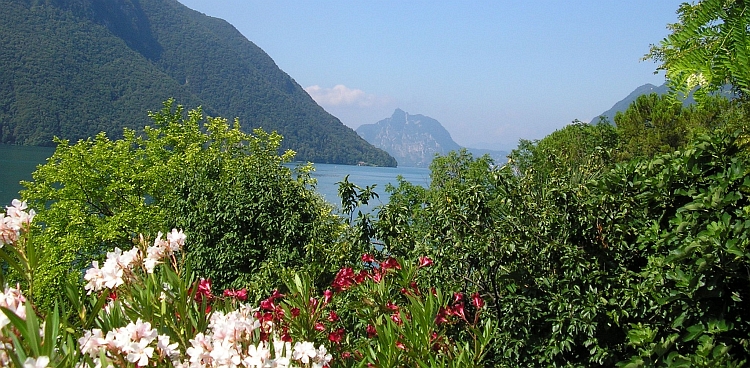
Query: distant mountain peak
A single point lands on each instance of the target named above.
(412, 139)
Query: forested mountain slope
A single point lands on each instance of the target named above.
(73, 68)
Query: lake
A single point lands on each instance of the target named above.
(18, 162)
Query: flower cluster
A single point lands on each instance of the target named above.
(119, 265)
(346, 277)
(243, 337)
(134, 342)
(229, 342)
(14, 301)
(13, 221)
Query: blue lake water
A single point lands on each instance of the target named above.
(329, 175)
(18, 162)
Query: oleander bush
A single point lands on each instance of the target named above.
(146, 307)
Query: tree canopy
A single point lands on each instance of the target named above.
(247, 213)
(709, 48)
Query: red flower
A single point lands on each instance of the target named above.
(332, 316)
(390, 263)
(327, 295)
(204, 290)
(391, 307)
(377, 275)
(371, 331)
(276, 295)
(320, 327)
(395, 317)
(477, 300)
(442, 315)
(344, 279)
(285, 336)
(457, 297)
(336, 336)
(368, 258)
(346, 355)
(458, 310)
(267, 304)
(240, 295)
(425, 261)
(204, 286)
(361, 277)
(400, 345)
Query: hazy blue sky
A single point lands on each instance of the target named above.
(492, 72)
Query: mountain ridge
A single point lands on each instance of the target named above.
(73, 68)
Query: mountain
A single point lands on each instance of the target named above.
(623, 104)
(413, 139)
(647, 88)
(73, 68)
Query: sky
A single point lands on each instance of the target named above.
(491, 72)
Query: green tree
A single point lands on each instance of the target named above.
(709, 48)
(248, 216)
(655, 124)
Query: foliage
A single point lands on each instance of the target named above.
(248, 214)
(695, 283)
(381, 314)
(655, 124)
(708, 48)
(587, 262)
(578, 146)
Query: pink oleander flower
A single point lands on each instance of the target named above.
(176, 240)
(442, 315)
(371, 331)
(304, 352)
(13, 221)
(41, 362)
(361, 276)
(204, 291)
(457, 297)
(368, 258)
(13, 299)
(458, 310)
(332, 316)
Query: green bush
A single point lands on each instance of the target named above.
(249, 215)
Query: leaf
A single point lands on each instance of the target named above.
(693, 332)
